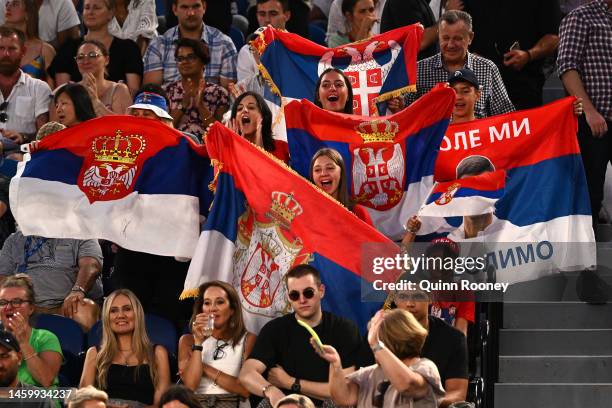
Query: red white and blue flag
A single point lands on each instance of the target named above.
(135, 182)
(389, 161)
(543, 221)
(379, 68)
(473, 195)
(266, 219)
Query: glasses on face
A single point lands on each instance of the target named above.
(89, 55)
(13, 302)
(3, 114)
(218, 354)
(412, 297)
(190, 58)
(308, 293)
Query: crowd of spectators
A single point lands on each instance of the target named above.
(60, 67)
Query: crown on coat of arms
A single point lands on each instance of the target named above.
(118, 149)
(377, 131)
(284, 208)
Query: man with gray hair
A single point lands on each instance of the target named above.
(455, 36)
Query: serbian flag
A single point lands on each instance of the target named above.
(389, 161)
(467, 196)
(266, 219)
(135, 182)
(545, 206)
(379, 68)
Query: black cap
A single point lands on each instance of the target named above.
(9, 341)
(466, 75)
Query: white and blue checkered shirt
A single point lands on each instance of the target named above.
(160, 55)
(494, 98)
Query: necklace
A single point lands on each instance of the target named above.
(131, 353)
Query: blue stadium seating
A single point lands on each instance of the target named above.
(237, 37)
(71, 340)
(316, 34)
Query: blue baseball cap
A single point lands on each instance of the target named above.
(465, 75)
(153, 102)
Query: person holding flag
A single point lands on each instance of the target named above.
(328, 172)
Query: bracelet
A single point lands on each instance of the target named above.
(34, 354)
(216, 377)
(529, 54)
(77, 288)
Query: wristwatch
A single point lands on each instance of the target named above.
(296, 388)
(77, 288)
(196, 347)
(378, 346)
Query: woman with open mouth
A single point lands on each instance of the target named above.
(327, 171)
(252, 119)
(334, 91)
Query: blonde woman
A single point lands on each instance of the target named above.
(400, 377)
(126, 365)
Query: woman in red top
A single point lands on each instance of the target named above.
(327, 171)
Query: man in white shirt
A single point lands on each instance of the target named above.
(24, 101)
(57, 20)
(269, 12)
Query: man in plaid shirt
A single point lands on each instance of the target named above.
(159, 63)
(585, 67)
(455, 36)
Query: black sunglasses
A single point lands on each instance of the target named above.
(308, 293)
(219, 353)
(3, 114)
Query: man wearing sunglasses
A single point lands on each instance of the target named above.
(24, 103)
(444, 345)
(283, 361)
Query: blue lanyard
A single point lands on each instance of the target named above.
(29, 250)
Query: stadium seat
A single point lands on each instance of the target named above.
(237, 37)
(67, 331)
(71, 340)
(316, 34)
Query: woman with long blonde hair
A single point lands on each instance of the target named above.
(127, 366)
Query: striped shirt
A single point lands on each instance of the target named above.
(586, 46)
(160, 55)
(493, 100)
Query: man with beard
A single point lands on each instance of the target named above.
(10, 359)
(160, 65)
(24, 103)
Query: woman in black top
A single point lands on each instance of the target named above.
(126, 366)
(125, 63)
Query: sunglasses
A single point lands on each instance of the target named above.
(13, 302)
(308, 293)
(89, 55)
(3, 114)
(218, 354)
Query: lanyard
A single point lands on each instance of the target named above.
(29, 250)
